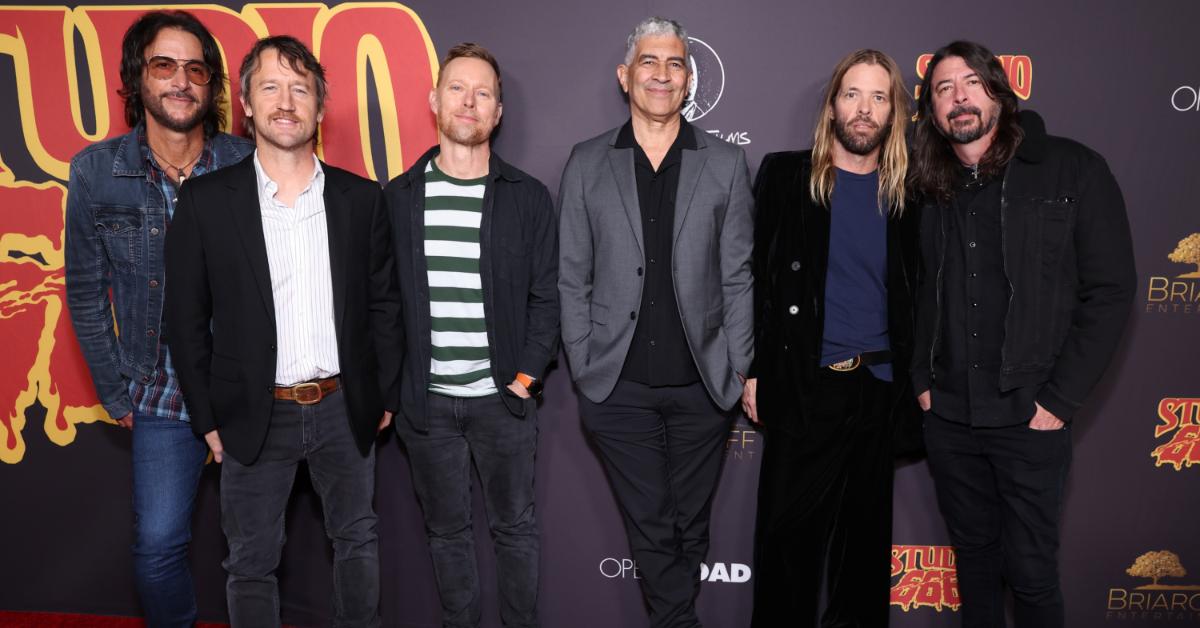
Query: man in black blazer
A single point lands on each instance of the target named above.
(283, 317)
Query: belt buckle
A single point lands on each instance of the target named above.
(845, 366)
(301, 395)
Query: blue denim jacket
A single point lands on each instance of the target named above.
(115, 229)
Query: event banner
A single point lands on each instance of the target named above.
(1119, 77)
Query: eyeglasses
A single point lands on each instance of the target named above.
(164, 68)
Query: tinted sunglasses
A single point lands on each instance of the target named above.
(197, 72)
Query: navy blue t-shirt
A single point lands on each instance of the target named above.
(856, 316)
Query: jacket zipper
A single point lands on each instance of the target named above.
(937, 319)
(1004, 264)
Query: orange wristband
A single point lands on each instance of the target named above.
(524, 379)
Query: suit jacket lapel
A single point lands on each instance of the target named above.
(621, 160)
(690, 166)
(337, 221)
(247, 220)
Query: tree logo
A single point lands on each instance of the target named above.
(1154, 601)
(1161, 564)
(1188, 252)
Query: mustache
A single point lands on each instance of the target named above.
(285, 116)
(180, 94)
(962, 110)
(864, 119)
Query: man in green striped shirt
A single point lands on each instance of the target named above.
(481, 320)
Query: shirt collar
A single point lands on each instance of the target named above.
(202, 165)
(268, 187)
(686, 139)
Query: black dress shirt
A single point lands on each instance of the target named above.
(659, 354)
(966, 385)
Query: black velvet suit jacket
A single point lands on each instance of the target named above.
(220, 311)
(791, 256)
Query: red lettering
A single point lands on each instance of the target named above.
(1183, 450)
(402, 62)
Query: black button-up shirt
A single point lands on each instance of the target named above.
(659, 354)
(966, 385)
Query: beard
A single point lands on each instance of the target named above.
(968, 134)
(154, 106)
(466, 135)
(859, 143)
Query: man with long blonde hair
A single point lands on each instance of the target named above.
(834, 258)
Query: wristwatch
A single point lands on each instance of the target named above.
(531, 384)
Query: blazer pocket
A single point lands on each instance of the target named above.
(714, 317)
(599, 313)
(225, 368)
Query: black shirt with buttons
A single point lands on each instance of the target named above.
(659, 354)
(966, 387)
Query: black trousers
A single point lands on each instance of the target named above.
(479, 432)
(825, 509)
(1001, 491)
(662, 450)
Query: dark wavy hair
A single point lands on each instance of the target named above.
(298, 57)
(932, 169)
(133, 63)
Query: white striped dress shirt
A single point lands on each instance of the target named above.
(301, 282)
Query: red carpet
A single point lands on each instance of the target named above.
(13, 619)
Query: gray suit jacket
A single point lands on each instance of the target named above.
(600, 251)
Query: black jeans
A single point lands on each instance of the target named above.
(1000, 490)
(254, 498)
(825, 509)
(503, 448)
(661, 449)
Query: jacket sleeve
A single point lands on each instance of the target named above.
(766, 227)
(387, 328)
(1107, 282)
(926, 306)
(737, 280)
(542, 306)
(575, 265)
(188, 311)
(87, 275)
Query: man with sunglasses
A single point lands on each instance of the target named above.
(120, 200)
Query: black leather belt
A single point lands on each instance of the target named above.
(868, 358)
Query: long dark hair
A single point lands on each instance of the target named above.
(133, 49)
(933, 165)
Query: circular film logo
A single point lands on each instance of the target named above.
(708, 80)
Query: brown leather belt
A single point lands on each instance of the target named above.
(307, 393)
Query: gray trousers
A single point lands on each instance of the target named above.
(255, 496)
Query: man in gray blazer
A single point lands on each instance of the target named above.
(655, 235)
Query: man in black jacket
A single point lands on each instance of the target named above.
(1029, 280)
(835, 254)
(283, 313)
(478, 279)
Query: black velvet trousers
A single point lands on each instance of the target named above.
(825, 510)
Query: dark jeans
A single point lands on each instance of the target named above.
(254, 498)
(503, 448)
(1000, 490)
(167, 461)
(661, 448)
(825, 509)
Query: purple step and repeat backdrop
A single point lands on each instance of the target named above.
(1121, 77)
